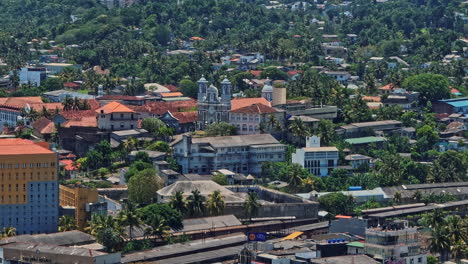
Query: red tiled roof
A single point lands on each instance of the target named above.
(20, 102)
(292, 73)
(255, 109)
(69, 165)
(196, 38)
(171, 87)
(71, 85)
(186, 117)
(159, 108)
(44, 126)
(85, 121)
(388, 87)
(256, 73)
(173, 94)
(77, 114)
(454, 91)
(441, 116)
(18, 146)
(49, 106)
(114, 107)
(243, 102)
(120, 97)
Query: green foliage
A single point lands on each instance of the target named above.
(137, 166)
(159, 146)
(220, 179)
(188, 88)
(431, 86)
(53, 84)
(143, 186)
(220, 129)
(274, 74)
(152, 125)
(171, 216)
(337, 203)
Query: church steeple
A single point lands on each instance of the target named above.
(202, 87)
(226, 91)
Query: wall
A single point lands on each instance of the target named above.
(116, 122)
(354, 226)
(78, 197)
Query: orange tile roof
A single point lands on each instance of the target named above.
(186, 117)
(69, 165)
(173, 94)
(388, 87)
(18, 146)
(20, 102)
(160, 108)
(49, 106)
(256, 73)
(114, 107)
(85, 121)
(255, 109)
(44, 126)
(371, 98)
(243, 102)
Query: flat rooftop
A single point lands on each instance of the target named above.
(59, 239)
(52, 249)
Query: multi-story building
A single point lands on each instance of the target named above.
(394, 242)
(255, 119)
(320, 161)
(116, 116)
(79, 197)
(32, 75)
(28, 186)
(240, 154)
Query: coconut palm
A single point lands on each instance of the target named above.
(129, 218)
(440, 242)
(298, 128)
(215, 203)
(9, 232)
(98, 223)
(67, 223)
(178, 202)
(157, 227)
(196, 204)
(251, 205)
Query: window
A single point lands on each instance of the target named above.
(121, 125)
(2, 165)
(38, 165)
(9, 165)
(31, 165)
(52, 164)
(121, 115)
(24, 165)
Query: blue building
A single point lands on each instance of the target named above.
(450, 106)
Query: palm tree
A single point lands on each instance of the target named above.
(68, 103)
(251, 205)
(9, 232)
(157, 227)
(397, 197)
(457, 230)
(440, 242)
(216, 203)
(129, 218)
(178, 202)
(67, 223)
(298, 128)
(196, 204)
(98, 223)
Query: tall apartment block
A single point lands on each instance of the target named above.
(78, 197)
(28, 186)
(394, 242)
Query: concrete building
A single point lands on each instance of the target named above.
(240, 154)
(395, 242)
(59, 96)
(78, 196)
(213, 107)
(29, 186)
(254, 119)
(450, 106)
(320, 161)
(116, 116)
(32, 75)
(368, 128)
(57, 68)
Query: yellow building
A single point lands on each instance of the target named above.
(78, 196)
(28, 186)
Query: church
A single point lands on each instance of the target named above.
(212, 106)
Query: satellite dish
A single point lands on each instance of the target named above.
(27, 108)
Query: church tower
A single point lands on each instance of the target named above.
(267, 91)
(213, 107)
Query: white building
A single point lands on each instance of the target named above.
(320, 161)
(32, 75)
(239, 154)
(116, 116)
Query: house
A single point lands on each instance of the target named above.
(11, 109)
(319, 161)
(386, 89)
(400, 97)
(123, 99)
(181, 122)
(71, 171)
(250, 61)
(43, 128)
(57, 68)
(363, 142)
(366, 128)
(253, 119)
(240, 154)
(32, 75)
(158, 109)
(334, 50)
(116, 116)
(60, 95)
(340, 76)
(356, 161)
(235, 178)
(450, 106)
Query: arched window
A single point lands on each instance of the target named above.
(244, 127)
